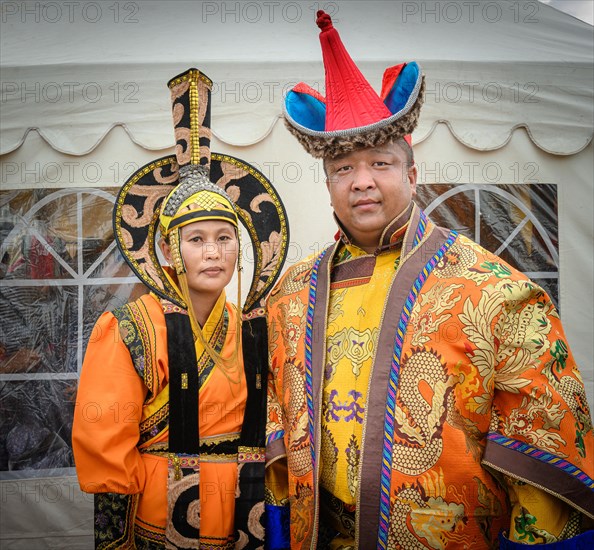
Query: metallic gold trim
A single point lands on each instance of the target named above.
(192, 74)
(194, 129)
(156, 449)
(175, 460)
(221, 438)
(218, 457)
(204, 457)
(176, 257)
(167, 289)
(251, 454)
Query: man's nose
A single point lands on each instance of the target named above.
(363, 178)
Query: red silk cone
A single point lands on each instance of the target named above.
(351, 102)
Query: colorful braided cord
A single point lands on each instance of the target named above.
(392, 387)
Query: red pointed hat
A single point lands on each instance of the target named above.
(352, 115)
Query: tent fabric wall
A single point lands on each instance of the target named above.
(79, 143)
(513, 62)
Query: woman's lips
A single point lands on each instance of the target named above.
(212, 270)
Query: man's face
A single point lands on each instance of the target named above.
(368, 189)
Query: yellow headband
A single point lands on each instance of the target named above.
(201, 206)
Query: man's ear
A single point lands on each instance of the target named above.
(412, 179)
(166, 249)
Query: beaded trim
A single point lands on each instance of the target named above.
(139, 269)
(251, 454)
(189, 75)
(192, 179)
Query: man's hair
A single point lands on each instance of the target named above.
(402, 143)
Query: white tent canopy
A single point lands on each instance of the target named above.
(84, 103)
(501, 64)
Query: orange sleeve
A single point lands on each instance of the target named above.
(107, 415)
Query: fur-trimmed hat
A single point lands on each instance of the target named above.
(352, 115)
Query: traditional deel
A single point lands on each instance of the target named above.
(471, 394)
(180, 462)
(422, 396)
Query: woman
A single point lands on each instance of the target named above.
(169, 424)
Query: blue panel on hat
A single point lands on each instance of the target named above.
(306, 110)
(403, 87)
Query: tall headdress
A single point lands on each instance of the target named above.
(352, 114)
(230, 189)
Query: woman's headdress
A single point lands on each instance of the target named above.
(195, 184)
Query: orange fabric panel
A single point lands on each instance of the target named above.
(109, 402)
(106, 432)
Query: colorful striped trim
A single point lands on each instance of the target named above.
(313, 283)
(382, 543)
(274, 436)
(420, 229)
(148, 536)
(397, 236)
(543, 456)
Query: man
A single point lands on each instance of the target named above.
(421, 391)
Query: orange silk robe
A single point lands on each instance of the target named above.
(476, 419)
(120, 430)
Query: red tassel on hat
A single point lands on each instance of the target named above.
(351, 102)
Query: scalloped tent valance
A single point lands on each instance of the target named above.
(488, 71)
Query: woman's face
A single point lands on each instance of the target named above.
(209, 249)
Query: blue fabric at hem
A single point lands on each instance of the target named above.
(585, 541)
(277, 528)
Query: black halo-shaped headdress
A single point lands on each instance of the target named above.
(136, 214)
